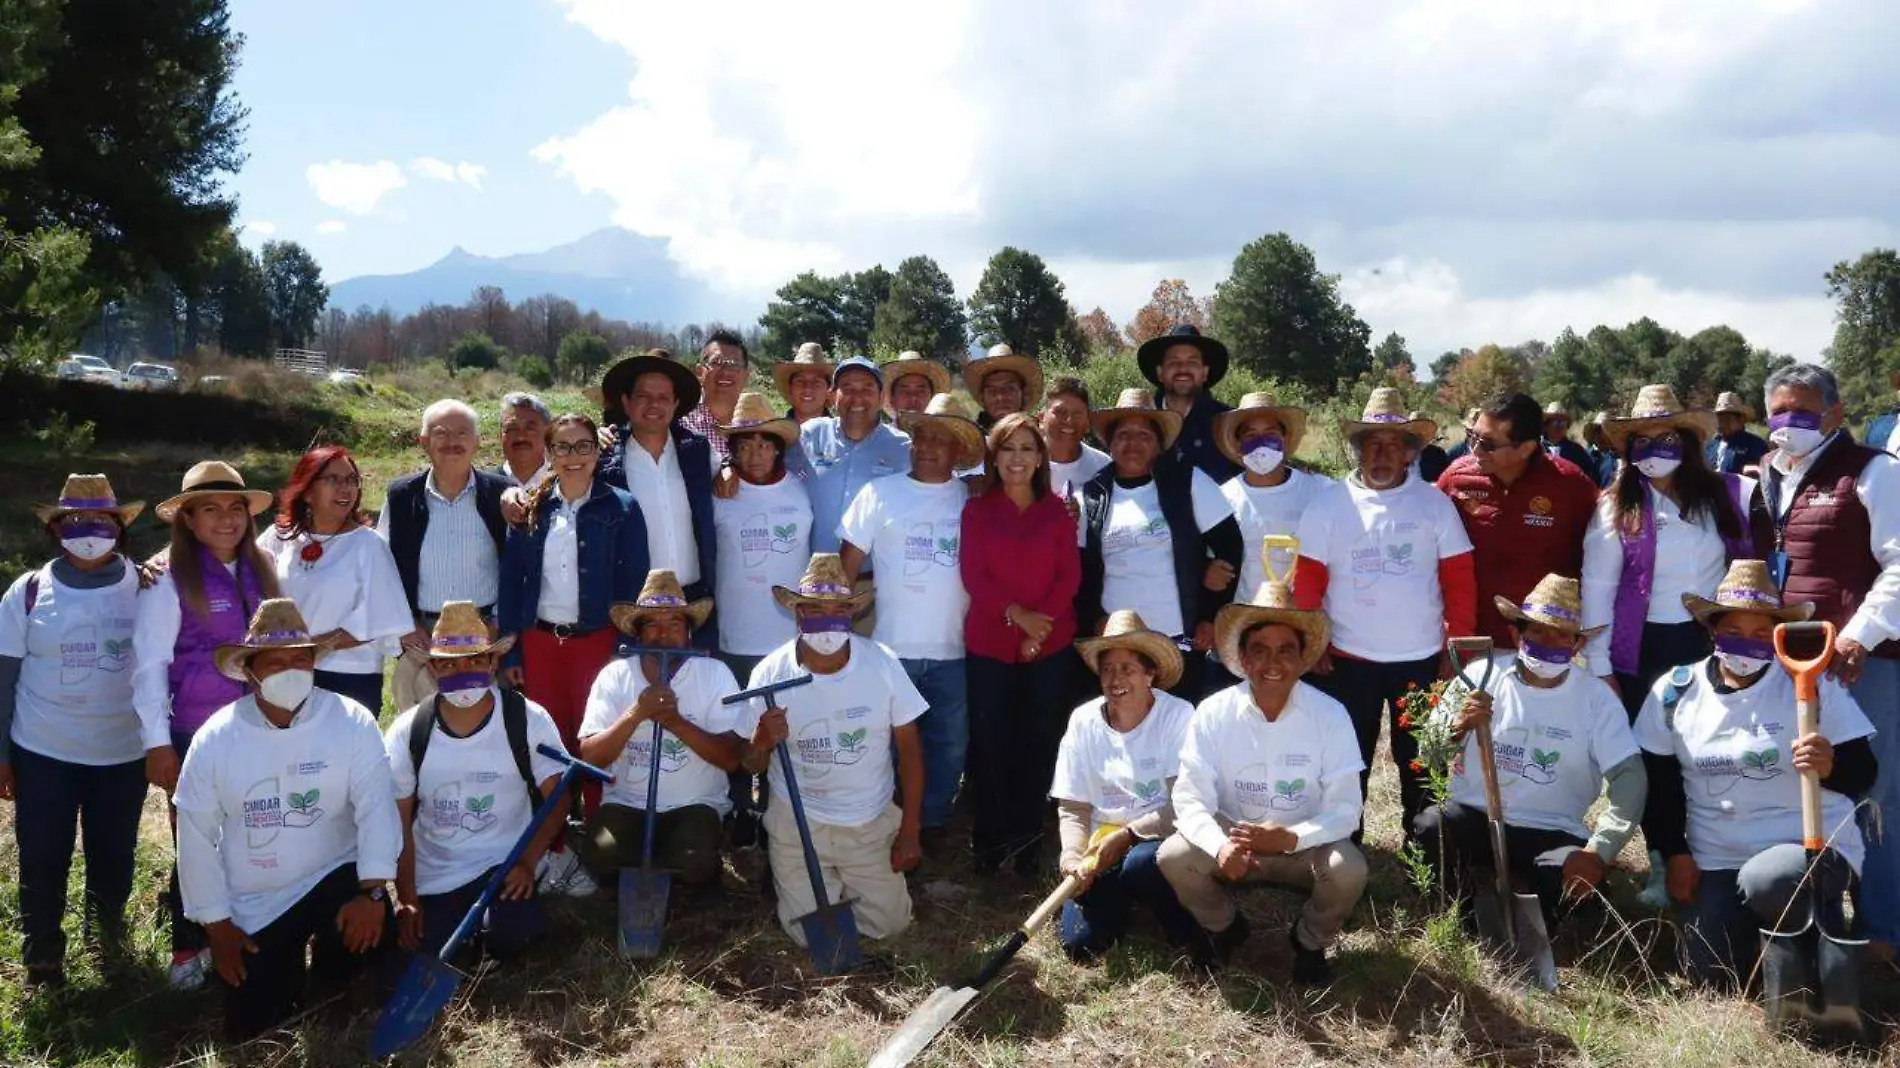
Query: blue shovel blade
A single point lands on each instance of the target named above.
(426, 989)
(642, 911)
(831, 934)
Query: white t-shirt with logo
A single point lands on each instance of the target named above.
(1074, 473)
(1552, 748)
(73, 701)
(912, 535)
(764, 539)
(841, 727)
(1121, 777)
(1381, 549)
(685, 776)
(471, 803)
(1264, 510)
(274, 810)
(1138, 550)
(353, 586)
(1738, 777)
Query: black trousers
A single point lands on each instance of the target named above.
(1666, 646)
(53, 802)
(1370, 690)
(1463, 856)
(1018, 713)
(276, 975)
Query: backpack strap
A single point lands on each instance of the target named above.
(421, 726)
(1679, 679)
(32, 592)
(514, 719)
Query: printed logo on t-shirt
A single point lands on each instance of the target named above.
(924, 549)
(267, 812)
(449, 814)
(1149, 792)
(1373, 560)
(1759, 760)
(1254, 791)
(81, 653)
(1541, 768)
(1122, 537)
(814, 746)
(1288, 795)
(760, 538)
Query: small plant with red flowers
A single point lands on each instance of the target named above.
(1428, 715)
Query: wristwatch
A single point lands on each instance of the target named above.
(378, 894)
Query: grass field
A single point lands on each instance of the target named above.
(732, 990)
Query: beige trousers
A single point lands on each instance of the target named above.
(411, 682)
(855, 863)
(1334, 874)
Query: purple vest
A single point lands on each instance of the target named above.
(1639, 573)
(196, 687)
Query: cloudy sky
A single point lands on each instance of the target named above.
(1475, 170)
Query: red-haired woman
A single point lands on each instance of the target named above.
(328, 558)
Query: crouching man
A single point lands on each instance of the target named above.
(1268, 789)
(842, 727)
(287, 826)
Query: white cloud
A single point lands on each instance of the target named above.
(331, 226)
(259, 228)
(354, 187)
(469, 174)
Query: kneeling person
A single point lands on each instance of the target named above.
(287, 826)
(842, 727)
(1558, 736)
(1269, 786)
(698, 746)
(465, 805)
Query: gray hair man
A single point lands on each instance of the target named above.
(524, 439)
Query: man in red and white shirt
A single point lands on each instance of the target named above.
(1387, 557)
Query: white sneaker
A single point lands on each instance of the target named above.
(188, 973)
(564, 874)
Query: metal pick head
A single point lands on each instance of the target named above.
(1290, 546)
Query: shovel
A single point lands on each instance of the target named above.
(935, 1014)
(1509, 920)
(831, 931)
(1810, 973)
(431, 981)
(644, 891)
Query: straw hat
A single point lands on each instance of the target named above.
(753, 414)
(1731, 403)
(1555, 601)
(88, 493)
(1125, 630)
(661, 593)
(824, 584)
(1385, 410)
(1139, 404)
(1594, 428)
(1148, 357)
(1004, 358)
(1657, 409)
(1272, 603)
(619, 380)
(461, 631)
(945, 410)
(1227, 424)
(277, 625)
(1555, 410)
(209, 478)
(1746, 588)
(810, 356)
(912, 362)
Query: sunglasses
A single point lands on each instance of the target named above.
(1485, 445)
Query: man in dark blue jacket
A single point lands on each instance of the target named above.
(1185, 367)
(1733, 450)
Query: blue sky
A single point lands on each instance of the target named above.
(1473, 170)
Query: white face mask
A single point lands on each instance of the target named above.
(1263, 461)
(825, 642)
(1658, 466)
(466, 689)
(1740, 666)
(88, 549)
(1544, 669)
(1796, 441)
(287, 689)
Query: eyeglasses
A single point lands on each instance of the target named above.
(723, 365)
(1485, 445)
(1669, 438)
(337, 482)
(574, 448)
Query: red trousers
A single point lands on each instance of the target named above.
(557, 675)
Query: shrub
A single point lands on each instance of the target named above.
(535, 371)
(477, 350)
(66, 439)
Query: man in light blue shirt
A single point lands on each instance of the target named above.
(838, 454)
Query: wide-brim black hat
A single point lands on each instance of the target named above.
(1148, 357)
(619, 380)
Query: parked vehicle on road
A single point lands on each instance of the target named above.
(79, 367)
(152, 378)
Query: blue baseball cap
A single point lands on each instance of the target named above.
(856, 363)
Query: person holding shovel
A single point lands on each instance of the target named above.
(1725, 764)
(1558, 738)
(699, 744)
(842, 731)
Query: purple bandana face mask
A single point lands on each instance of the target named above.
(464, 689)
(1797, 433)
(1657, 459)
(88, 539)
(1544, 661)
(824, 635)
(1263, 455)
(1743, 656)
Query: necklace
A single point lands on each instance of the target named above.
(313, 551)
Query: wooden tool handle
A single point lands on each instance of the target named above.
(1050, 904)
(1487, 757)
(1808, 721)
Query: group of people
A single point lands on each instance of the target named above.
(1182, 643)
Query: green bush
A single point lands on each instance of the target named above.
(535, 371)
(64, 438)
(476, 350)
(284, 419)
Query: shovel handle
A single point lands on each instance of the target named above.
(1807, 707)
(820, 898)
(1062, 893)
(653, 797)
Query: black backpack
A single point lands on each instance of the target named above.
(514, 720)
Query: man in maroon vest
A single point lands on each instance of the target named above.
(1836, 506)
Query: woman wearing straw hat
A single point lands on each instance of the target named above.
(1725, 762)
(1734, 450)
(1268, 788)
(804, 381)
(288, 833)
(1114, 774)
(1668, 526)
(764, 532)
(1003, 383)
(328, 558)
(1021, 569)
(214, 579)
(1157, 536)
(1559, 740)
(70, 746)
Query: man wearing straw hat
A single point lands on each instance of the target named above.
(467, 782)
(1388, 558)
(805, 383)
(1557, 436)
(908, 530)
(1603, 458)
(842, 729)
(911, 380)
(287, 826)
(1559, 740)
(1003, 383)
(1734, 450)
(1269, 788)
(1185, 367)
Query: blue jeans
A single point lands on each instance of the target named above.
(946, 732)
(1721, 931)
(52, 802)
(1094, 921)
(508, 928)
(1878, 694)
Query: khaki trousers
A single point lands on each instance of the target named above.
(855, 863)
(1334, 874)
(411, 682)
